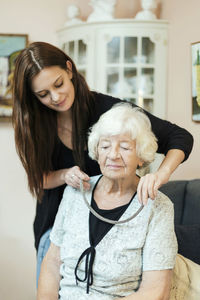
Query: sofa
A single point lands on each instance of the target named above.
(185, 194)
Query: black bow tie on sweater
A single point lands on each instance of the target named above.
(89, 255)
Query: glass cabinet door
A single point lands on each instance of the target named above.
(147, 74)
(77, 50)
(113, 50)
(121, 72)
(130, 64)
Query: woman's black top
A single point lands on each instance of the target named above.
(98, 228)
(170, 136)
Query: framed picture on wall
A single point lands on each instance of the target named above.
(196, 81)
(10, 46)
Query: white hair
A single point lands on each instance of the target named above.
(123, 118)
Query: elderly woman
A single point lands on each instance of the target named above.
(93, 259)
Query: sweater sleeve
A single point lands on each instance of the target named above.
(58, 230)
(160, 248)
(170, 136)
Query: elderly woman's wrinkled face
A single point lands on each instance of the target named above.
(117, 156)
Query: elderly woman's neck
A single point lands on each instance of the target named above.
(119, 186)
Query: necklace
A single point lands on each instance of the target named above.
(105, 219)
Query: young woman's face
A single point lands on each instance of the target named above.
(53, 87)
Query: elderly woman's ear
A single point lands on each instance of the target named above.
(140, 164)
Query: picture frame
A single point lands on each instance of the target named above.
(195, 51)
(10, 47)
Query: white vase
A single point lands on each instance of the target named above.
(103, 10)
(73, 14)
(146, 13)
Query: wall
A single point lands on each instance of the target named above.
(184, 29)
(41, 19)
(17, 255)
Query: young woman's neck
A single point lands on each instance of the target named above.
(65, 119)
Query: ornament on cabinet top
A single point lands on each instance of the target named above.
(146, 13)
(103, 10)
(73, 13)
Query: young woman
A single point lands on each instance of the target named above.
(53, 110)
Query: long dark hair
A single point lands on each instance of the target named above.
(35, 125)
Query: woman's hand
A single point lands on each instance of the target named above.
(155, 285)
(74, 175)
(149, 184)
(71, 176)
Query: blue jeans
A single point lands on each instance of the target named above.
(42, 250)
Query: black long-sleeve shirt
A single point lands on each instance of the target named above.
(170, 136)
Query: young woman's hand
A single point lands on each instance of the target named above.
(149, 184)
(74, 175)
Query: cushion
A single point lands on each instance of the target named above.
(176, 190)
(192, 203)
(188, 237)
(185, 280)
